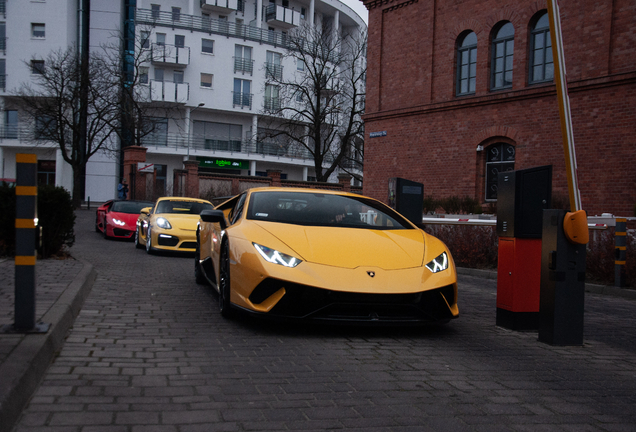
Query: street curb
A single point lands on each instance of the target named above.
(25, 367)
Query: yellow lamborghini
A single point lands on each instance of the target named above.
(321, 255)
(170, 225)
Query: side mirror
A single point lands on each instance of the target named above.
(214, 216)
(146, 210)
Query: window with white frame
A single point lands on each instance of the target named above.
(176, 14)
(37, 67)
(155, 8)
(273, 68)
(243, 59)
(38, 30)
(179, 41)
(206, 80)
(207, 46)
(144, 39)
(161, 39)
(242, 95)
(272, 101)
(143, 75)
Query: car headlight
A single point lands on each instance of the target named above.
(163, 223)
(275, 257)
(438, 264)
(118, 222)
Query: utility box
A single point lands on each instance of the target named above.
(407, 198)
(522, 196)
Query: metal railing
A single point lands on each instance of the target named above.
(242, 64)
(271, 103)
(273, 71)
(225, 28)
(3, 45)
(3, 82)
(242, 100)
(214, 144)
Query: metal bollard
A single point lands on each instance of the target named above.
(620, 252)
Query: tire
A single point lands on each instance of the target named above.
(149, 242)
(225, 307)
(198, 271)
(137, 244)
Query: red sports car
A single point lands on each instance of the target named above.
(118, 218)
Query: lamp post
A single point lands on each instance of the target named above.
(189, 128)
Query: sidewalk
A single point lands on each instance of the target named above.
(62, 286)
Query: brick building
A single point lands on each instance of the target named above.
(459, 90)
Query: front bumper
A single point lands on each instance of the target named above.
(310, 303)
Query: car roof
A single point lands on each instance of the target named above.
(303, 190)
(183, 199)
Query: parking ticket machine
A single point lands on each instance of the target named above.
(522, 196)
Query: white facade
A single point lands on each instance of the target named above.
(208, 66)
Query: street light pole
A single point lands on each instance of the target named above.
(190, 128)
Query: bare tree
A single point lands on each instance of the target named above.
(52, 105)
(127, 63)
(319, 108)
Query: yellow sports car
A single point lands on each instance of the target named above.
(170, 225)
(321, 255)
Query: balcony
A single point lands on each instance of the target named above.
(3, 82)
(215, 26)
(271, 104)
(243, 100)
(273, 71)
(3, 45)
(244, 65)
(282, 17)
(163, 91)
(220, 6)
(170, 54)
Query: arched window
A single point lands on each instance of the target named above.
(541, 64)
(503, 46)
(467, 64)
(500, 157)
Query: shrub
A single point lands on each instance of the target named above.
(7, 219)
(599, 260)
(55, 214)
(57, 219)
(454, 205)
(471, 246)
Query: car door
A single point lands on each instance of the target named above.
(233, 211)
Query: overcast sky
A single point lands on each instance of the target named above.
(359, 8)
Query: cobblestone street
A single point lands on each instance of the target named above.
(150, 352)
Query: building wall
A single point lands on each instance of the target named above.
(432, 135)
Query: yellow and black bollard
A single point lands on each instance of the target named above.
(26, 238)
(620, 250)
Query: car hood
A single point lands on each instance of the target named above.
(184, 222)
(352, 247)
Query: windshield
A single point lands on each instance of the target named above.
(182, 207)
(317, 209)
(130, 207)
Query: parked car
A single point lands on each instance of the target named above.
(170, 225)
(322, 255)
(118, 218)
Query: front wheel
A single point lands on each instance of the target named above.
(225, 307)
(137, 244)
(148, 241)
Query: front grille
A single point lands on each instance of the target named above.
(314, 303)
(119, 232)
(188, 245)
(167, 241)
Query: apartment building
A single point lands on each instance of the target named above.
(207, 79)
